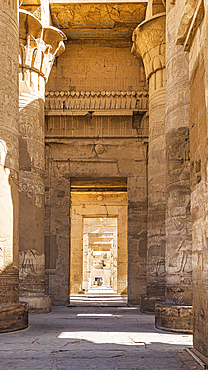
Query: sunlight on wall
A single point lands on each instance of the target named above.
(6, 207)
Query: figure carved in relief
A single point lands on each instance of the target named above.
(29, 263)
(156, 258)
(185, 251)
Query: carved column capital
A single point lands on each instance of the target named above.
(149, 42)
(38, 47)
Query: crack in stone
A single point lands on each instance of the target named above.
(35, 341)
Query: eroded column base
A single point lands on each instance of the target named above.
(148, 302)
(37, 303)
(174, 318)
(13, 317)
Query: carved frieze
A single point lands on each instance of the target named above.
(91, 101)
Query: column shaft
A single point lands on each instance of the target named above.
(9, 171)
(149, 42)
(178, 193)
(156, 186)
(176, 313)
(38, 48)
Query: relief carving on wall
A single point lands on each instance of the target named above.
(156, 257)
(32, 189)
(178, 159)
(30, 261)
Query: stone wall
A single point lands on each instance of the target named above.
(192, 34)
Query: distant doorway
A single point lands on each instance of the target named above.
(98, 253)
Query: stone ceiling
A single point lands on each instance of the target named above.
(96, 20)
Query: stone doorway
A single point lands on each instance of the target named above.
(98, 253)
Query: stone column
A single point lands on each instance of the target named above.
(38, 48)
(192, 35)
(13, 315)
(149, 42)
(177, 313)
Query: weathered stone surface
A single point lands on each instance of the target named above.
(192, 30)
(148, 302)
(98, 20)
(37, 304)
(198, 153)
(174, 318)
(178, 193)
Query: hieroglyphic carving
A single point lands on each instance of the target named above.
(156, 257)
(178, 153)
(33, 188)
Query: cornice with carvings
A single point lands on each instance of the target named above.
(80, 102)
(149, 41)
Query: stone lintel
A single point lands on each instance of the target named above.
(149, 40)
(174, 318)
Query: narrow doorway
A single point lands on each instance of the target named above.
(100, 254)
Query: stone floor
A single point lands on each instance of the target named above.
(103, 338)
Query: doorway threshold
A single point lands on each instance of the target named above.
(97, 299)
